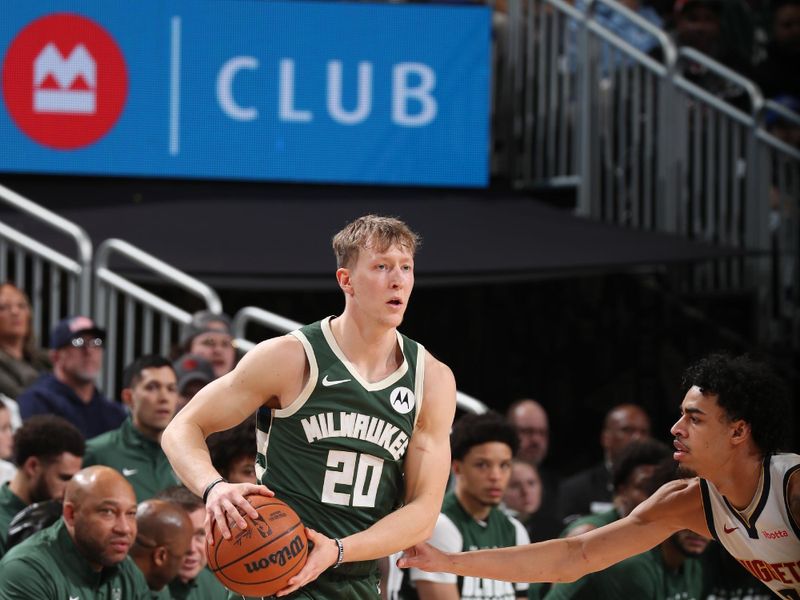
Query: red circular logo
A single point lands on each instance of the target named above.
(64, 81)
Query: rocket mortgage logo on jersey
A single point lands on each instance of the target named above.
(64, 81)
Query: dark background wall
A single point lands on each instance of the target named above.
(579, 343)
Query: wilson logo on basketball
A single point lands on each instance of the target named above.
(64, 81)
(280, 557)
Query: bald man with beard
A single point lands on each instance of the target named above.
(163, 540)
(84, 555)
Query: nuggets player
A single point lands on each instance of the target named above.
(747, 495)
(353, 422)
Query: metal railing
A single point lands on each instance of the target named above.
(250, 315)
(137, 320)
(784, 190)
(667, 140)
(57, 284)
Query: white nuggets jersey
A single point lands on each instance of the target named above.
(767, 543)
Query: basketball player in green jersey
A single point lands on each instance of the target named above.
(353, 423)
(746, 495)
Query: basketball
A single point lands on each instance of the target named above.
(260, 560)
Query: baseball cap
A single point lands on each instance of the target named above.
(70, 328)
(191, 367)
(205, 321)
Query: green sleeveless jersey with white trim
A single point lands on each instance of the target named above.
(458, 531)
(336, 453)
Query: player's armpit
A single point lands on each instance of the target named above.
(793, 496)
(674, 506)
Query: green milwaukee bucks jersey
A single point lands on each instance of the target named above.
(335, 454)
(458, 531)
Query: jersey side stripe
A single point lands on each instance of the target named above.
(263, 426)
(419, 380)
(312, 378)
(707, 509)
(795, 526)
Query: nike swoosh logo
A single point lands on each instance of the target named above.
(328, 383)
(129, 472)
(75, 598)
(731, 530)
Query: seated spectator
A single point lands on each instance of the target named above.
(779, 73)
(624, 28)
(7, 469)
(163, 539)
(590, 491)
(632, 480)
(233, 452)
(85, 554)
(193, 372)
(194, 581)
(21, 361)
(699, 25)
(670, 570)
(482, 449)
(529, 420)
(70, 392)
(47, 453)
(149, 390)
(523, 500)
(209, 336)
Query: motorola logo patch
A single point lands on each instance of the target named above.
(402, 400)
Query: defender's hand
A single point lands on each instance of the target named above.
(424, 557)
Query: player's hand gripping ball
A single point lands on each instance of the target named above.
(260, 560)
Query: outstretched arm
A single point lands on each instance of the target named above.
(674, 507)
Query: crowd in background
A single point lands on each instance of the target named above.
(757, 39)
(85, 486)
(66, 449)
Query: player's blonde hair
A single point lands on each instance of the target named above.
(372, 231)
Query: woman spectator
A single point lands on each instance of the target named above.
(209, 336)
(21, 362)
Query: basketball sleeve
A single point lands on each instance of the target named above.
(523, 539)
(448, 538)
